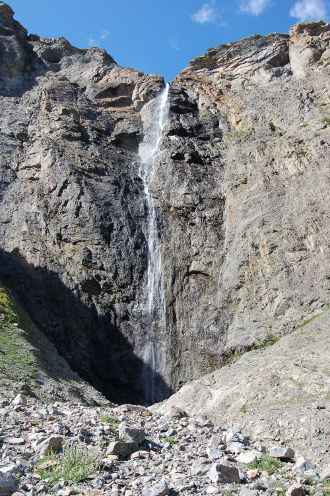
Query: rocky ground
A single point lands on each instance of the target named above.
(59, 436)
(277, 392)
(67, 448)
(240, 189)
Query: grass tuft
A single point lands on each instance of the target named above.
(75, 464)
(266, 463)
(170, 440)
(108, 420)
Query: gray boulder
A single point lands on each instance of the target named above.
(131, 434)
(283, 453)
(222, 473)
(122, 449)
(8, 484)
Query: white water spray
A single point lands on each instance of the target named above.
(148, 151)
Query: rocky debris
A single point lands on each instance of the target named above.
(248, 457)
(20, 400)
(325, 474)
(121, 448)
(302, 465)
(160, 489)
(267, 400)
(178, 460)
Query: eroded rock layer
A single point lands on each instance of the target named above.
(238, 183)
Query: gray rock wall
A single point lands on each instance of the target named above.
(239, 186)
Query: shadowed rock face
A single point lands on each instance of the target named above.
(238, 185)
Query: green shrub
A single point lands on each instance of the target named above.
(108, 420)
(266, 463)
(75, 464)
(170, 440)
(281, 489)
(5, 306)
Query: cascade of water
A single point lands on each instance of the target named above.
(153, 129)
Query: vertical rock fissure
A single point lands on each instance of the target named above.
(156, 307)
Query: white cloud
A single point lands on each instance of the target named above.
(309, 10)
(96, 41)
(104, 34)
(174, 43)
(254, 7)
(205, 14)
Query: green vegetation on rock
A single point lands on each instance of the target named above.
(17, 358)
(5, 307)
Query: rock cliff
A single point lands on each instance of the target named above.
(238, 187)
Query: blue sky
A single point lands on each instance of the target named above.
(162, 37)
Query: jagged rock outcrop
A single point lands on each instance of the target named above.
(239, 186)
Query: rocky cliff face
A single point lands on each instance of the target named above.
(238, 184)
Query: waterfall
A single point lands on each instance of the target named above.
(153, 129)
